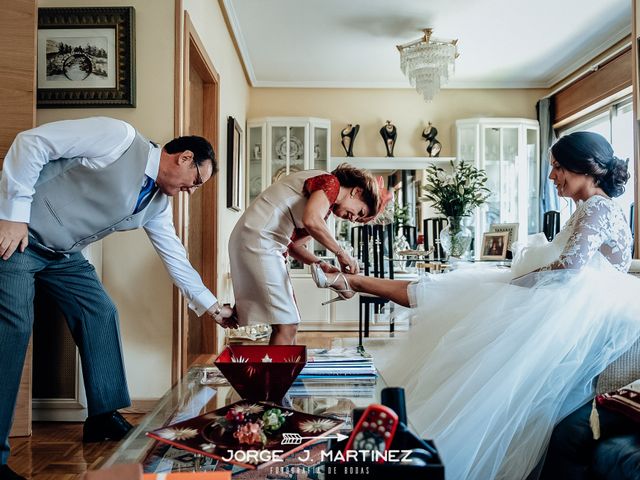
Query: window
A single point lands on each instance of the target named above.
(615, 123)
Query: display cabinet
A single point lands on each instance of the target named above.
(508, 150)
(278, 146)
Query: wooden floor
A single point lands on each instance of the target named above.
(55, 450)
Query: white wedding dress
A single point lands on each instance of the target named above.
(491, 364)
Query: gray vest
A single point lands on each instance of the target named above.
(74, 205)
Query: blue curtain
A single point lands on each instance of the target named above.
(548, 193)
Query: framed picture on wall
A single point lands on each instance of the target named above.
(510, 228)
(235, 164)
(494, 246)
(86, 57)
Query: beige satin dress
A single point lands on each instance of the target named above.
(257, 248)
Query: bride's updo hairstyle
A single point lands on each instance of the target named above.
(590, 154)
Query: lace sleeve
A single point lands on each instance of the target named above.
(328, 183)
(595, 224)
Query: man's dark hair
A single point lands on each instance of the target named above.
(201, 148)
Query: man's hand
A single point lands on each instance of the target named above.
(224, 315)
(348, 264)
(12, 235)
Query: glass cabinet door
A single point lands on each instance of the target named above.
(509, 198)
(533, 167)
(278, 166)
(297, 150)
(255, 149)
(320, 142)
(494, 180)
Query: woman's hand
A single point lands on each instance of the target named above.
(326, 267)
(348, 264)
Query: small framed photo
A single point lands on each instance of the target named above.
(86, 57)
(511, 228)
(235, 165)
(494, 246)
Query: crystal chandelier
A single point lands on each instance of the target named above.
(428, 63)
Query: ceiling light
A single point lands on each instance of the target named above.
(428, 63)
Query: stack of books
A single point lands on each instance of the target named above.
(342, 364)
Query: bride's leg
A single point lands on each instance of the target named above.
(394, 290)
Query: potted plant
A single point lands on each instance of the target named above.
(456, 195)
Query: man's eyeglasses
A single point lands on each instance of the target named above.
(198, 181)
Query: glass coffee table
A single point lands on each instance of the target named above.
(203, 389)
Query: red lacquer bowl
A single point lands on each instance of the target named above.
(262, 372)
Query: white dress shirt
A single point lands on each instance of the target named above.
(99, 141)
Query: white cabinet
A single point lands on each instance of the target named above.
(508, 150)
(278, 146)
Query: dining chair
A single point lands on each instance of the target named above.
(431, 228)
(380, 266)
(551, 224)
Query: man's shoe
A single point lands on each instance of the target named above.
(7, 474)
(108, 426)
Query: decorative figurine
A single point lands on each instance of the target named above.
(348, 136)
(433, 145)
(388, 133)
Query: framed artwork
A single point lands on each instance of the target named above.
(86, 57)
(511, 228)
(235, 162)
(494, 246)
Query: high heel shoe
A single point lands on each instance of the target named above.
(322, 281)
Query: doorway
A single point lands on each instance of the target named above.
(196, 214)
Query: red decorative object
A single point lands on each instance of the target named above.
(262, 372)
(209, 435)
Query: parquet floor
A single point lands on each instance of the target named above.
(55, 450)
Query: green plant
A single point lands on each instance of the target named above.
(458, 193)
(400, 214)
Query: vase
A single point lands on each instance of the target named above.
(456, 238)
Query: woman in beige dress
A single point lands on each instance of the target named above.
(280, 222)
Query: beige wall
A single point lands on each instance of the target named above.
(133, 274)
(208, 21)
(404, 107)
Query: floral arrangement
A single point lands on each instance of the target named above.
(250, 424)
(456, 194)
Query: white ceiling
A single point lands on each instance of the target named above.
(352, 43)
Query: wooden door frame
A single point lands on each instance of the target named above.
(190, 51)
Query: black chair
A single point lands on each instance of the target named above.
(632, 226)
(551, 224)
(431, 228)
(381, 239)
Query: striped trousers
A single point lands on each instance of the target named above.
(90, 314)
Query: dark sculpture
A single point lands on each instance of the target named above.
(388, 133)
(348, 136)
(433, 145)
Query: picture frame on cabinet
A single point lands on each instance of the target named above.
(86, 57)
(494, 246)
(511, 228)
(235, 165)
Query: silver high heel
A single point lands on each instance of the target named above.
(321, 280)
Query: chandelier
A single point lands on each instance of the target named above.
(428, 63)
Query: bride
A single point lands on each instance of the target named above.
(495, 358)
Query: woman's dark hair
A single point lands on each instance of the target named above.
(201, 148)
(589, 153)
(352, 177)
